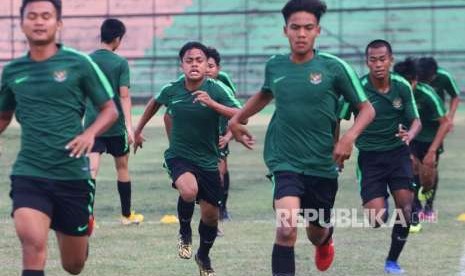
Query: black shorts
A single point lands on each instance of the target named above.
(69, 204)
(209, 182)
(420, 149)
(315, 193)
(115, 145)
(379, 169)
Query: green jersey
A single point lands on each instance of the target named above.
(194, 134)
(392, 108)
(300, 136)
(49, 99)
(431, 109)
(116, 69)
(444, 84)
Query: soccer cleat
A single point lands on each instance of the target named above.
(205, 268)
(324, 255)
(415, 228)
(391, 267)
(423, 197)
(429, 216)
(184, 248)
(134, 218)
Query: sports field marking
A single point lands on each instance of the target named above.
(462, 262)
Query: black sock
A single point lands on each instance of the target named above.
(429, 202)
(185, 212)
(226, 190)
(28, 272)
(283, 260)
(416, 204)
(398, 240)
(124, 190)
(207, 238)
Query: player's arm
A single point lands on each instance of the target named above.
(444, 127)
(7, 103)
(411, 113)
(125, 98)
(453, 105)
(453, 90)
(223, 110)
(343, 148)
(5, 119)
(150, 109)
(126, 105)
(256, 103)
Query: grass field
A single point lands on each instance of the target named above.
(150, 249)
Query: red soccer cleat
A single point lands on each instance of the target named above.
(324, 255)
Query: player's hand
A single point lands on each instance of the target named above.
(343, 149)
(81, 145)
(430, 159)
(130, 136)
(203, 98)
(224, 140)
(241, 134)
(404, 134)
(138, 141)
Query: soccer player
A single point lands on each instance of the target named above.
(443, 83)
(50, 182)
(299, 146)
(213, 71)
(196, 104)
(425, 148)
(384, 156)
(117, 139)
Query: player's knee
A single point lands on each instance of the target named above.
(407, 211)
(286, 235)
(74, 267)
(189, 195)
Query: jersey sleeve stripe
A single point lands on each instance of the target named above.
(451, 79)
(352, 76)
(100, 75)
(431, 94)
(229, 93)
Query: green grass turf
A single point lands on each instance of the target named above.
(150, 249)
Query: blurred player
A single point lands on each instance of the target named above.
(50, 182)
(425, 147)
(117, 139)
(299, 146)
(444, 84)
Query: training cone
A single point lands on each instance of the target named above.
(461, 217)
(169, 219)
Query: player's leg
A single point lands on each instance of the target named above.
(288, 188)
(32, 212)
(223, 167)
(72, 221)
(73, 252)
(32, 227)
(210, 196)
(317, 204)
(184, 180)
(415, 226)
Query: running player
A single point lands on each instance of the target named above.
(50, 182)
(299, 146)
(196, 104)
(117, 139)
(444, 84)
(384, 156)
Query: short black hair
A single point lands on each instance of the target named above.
(427, 67)
(55, 3)
(315, 7)
(407, 69)
(111, 29)
(378, 43)
(214, 54)
(192, 45)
